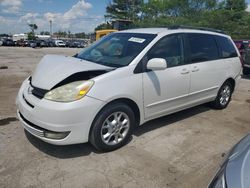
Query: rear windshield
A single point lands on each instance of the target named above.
(116, 49)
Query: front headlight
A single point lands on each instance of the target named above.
(70, 92)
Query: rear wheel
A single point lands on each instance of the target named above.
(224, 96)
(112, 127)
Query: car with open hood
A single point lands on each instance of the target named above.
(124, 80)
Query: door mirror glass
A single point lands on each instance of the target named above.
(157, 64)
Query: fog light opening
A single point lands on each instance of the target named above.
(55, 135)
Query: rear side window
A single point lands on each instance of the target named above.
(203, 47)
(226, 47)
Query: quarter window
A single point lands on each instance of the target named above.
(202, 48)
(168, 48)
(227, 48)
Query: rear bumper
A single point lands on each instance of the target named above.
(40, 115)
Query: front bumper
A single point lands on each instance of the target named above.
(40, 115)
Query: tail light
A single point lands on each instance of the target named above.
(241, 60)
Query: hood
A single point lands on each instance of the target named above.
(238, 166)
(53, 69)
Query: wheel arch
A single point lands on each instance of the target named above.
(132, 104)
(232, 81)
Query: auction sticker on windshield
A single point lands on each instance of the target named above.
(138, 40)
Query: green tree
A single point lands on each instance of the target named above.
(236, 5)
(33, 27)
(124, 9)
(44, 33)
(104, 26)
(80, 35)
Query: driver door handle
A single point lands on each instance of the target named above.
(184, 71)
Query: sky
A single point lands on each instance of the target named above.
(66, 15)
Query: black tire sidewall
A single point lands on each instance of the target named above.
(217, 103)
(95, 134)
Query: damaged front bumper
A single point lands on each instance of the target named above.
(54, 122)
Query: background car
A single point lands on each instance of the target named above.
(235, 171)
(244, 49)
(8, 42)
(60, 43)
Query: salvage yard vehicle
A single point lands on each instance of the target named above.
(124, 80)
(235, 170)
(60, 43)
(246, 61)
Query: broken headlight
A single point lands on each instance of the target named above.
(70, 92)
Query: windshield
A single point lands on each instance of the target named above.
(116, 49)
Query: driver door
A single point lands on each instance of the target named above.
(166, 91)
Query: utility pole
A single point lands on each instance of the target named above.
(50, 28)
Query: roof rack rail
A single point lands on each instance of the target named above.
(197, 28)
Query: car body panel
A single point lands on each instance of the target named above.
(54, 68)
(238, 165)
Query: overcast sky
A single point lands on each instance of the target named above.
(73, 15)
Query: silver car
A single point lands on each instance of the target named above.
(235, 171)
(124, 80)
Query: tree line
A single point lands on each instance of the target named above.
(227, 15)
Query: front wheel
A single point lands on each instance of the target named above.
(112, 127)
(224, 96)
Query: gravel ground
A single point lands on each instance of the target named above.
(180, 150)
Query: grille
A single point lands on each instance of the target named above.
(32, 128)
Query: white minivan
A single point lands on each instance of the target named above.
(127, 78)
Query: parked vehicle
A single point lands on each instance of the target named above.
(242, 44)
(244, 49)
(22, 43)
(33, 43)
(124, 80)
(60, 43)
(8, 42)
(51, 43)
(1, 42)
(43, 43)
(235, 170)
(246, 61)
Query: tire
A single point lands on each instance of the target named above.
(246, 71)
(224, 96)
(112, 127)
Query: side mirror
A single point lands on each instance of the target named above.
(157, 64)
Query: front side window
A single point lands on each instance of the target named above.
(227, 48)
(168, 48)
(203, 47)
(116, 49)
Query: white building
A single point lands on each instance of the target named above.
(43, 37)
(21, 36)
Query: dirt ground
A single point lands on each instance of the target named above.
(181, 150)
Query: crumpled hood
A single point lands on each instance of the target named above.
(52, 69)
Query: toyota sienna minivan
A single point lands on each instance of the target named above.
(124, 80)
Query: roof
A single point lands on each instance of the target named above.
(170, 30)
